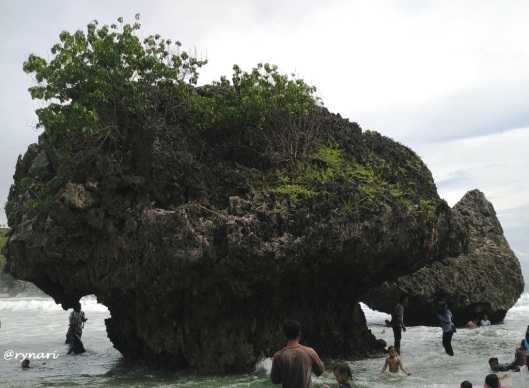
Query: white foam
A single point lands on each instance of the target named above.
(374, 317)
(264, 366)
(88, 303)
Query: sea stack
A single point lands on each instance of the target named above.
(486, 279)
(201, 243)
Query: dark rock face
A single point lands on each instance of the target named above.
(200, 254)
(9, 285)
(486, 279)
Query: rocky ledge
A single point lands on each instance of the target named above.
(485, 280)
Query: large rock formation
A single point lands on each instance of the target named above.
(201, 244)
(485, 280)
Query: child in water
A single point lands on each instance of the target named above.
(394, 362)
(343, 376)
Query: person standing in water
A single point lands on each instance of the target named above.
(525, 341)
(293, 365)
(397, 321)
(520, 355)
(75, 330)
(447, 324)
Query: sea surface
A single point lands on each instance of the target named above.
(36, 325)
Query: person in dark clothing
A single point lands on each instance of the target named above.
(525, 341)
(495, 366)
(76, 345)
(293, 365)
(447, 324)
(75, 330)
(397, 321)
(76, 323)
(520, 355)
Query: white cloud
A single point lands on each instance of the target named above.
(496, 164)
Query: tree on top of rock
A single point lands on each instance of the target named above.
(101, 73)
(104, 80)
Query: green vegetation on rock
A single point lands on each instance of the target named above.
(106, 85)
(106, 76)
(368, 187)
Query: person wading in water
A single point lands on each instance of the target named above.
(447, 324)
(397, 321)
(75, 330)
(292, 366)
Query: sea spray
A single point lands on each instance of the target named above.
(88, 304)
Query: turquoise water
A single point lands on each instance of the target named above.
(38, 325)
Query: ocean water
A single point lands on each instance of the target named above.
(37, 326)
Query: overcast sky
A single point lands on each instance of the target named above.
(448, 78)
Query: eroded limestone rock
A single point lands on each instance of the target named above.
(487, 279)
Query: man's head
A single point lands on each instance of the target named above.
(25, 363)
(492, 381)
(77, 306)
(292, 329)
(392, 352)
(342, 373)
(466, 384)
(493, 362)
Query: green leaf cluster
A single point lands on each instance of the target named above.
(256, 98)
(106, 77)
(98, 74)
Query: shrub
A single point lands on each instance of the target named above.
(106, 79)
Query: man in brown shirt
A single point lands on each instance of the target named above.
(292, 366)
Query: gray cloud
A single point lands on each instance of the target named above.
(481, 110)
(454, 179)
